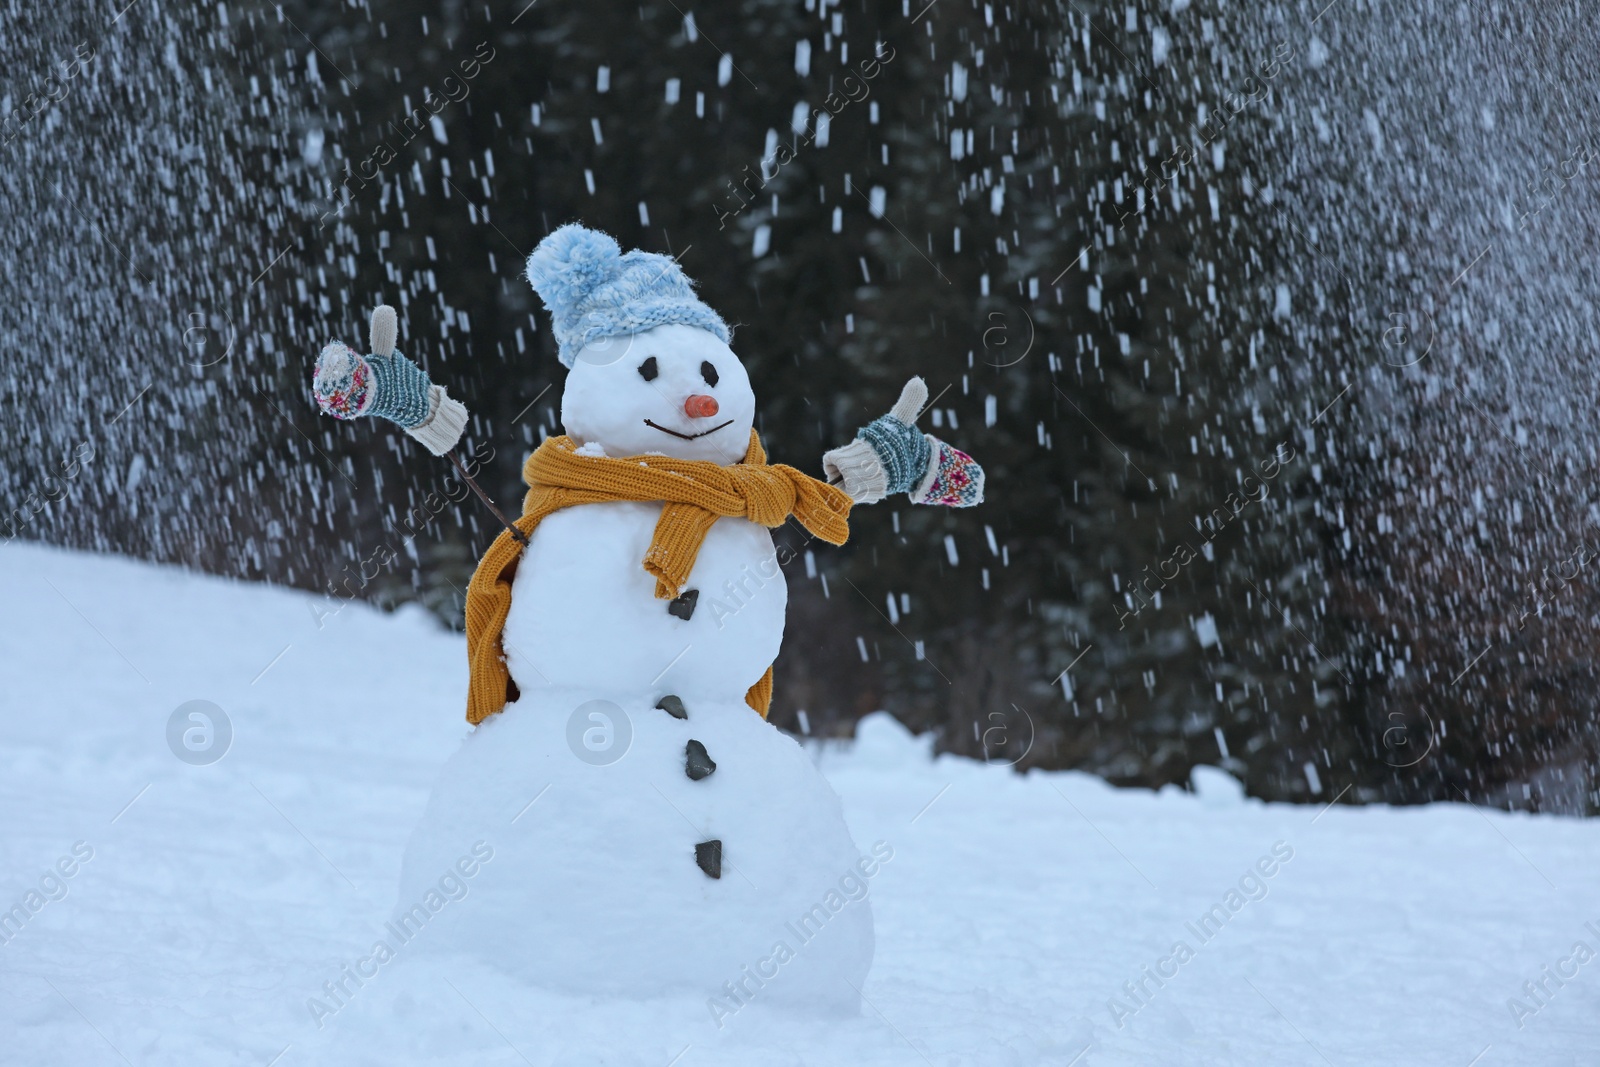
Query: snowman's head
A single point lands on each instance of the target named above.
(651, 366)
(675, 389)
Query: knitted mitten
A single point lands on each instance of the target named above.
(890, 455)
(388, 385)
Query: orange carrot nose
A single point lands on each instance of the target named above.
(700, 406)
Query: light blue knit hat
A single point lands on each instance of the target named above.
(594, 290)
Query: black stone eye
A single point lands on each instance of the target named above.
(708, 372)
(648, 370)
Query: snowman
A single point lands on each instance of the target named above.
(622, 820)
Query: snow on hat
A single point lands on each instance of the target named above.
(594, 290)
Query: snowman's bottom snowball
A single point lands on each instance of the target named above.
(594, 888)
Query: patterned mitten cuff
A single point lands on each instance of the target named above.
(857, 469)
(446, 422)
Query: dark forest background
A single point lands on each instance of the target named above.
(1142, 253)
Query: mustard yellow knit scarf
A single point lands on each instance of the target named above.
(695, 492)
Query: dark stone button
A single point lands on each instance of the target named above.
(683, 606)
(708, 854)
(672, 706)
(697, 762)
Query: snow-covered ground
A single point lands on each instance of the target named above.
(207, 904)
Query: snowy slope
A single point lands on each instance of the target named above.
(217, 900)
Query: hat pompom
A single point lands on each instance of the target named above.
(570, 264)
